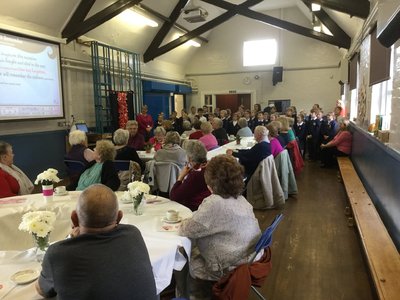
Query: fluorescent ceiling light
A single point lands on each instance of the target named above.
(132, 17)
(315, 7)
(189, 42)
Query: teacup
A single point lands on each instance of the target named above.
(60, 190)
(172, 215)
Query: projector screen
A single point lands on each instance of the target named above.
(30, 78)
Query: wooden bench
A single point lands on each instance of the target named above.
(381, 254)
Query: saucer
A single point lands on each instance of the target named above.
(61, 194)
(25, 276)
(164, 219)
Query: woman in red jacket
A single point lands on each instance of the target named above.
(339, 146)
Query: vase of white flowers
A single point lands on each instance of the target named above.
(39, 224)
(136, 192)
(47, 179)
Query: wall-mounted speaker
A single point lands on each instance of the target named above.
(277, 74)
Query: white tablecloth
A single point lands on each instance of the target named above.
(245, 143)
(162, 245)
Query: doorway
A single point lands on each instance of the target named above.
(233, 101)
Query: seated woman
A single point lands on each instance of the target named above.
(79, 148)
(190, 189)
(276, 146)
(123, 152)
(284, 135)
(244, 130)
(187, 127)
(171, 151)
(208, 139)
(197, 133)
(100, 170)
(12, 180)
(224, 228)
(339, 146)
(158, 139)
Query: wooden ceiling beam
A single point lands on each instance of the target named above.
(165, 28)
(335, 29)
(357, 8)
(99, 18)
(78, 16)
(196, 32)
(308, 32)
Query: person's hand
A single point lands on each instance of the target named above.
(326, 137)
(229, 151)
(186, 169)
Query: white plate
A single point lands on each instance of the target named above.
(164, 219)
(25, 276)
(61, 194)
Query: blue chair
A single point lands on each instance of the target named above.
(263, 243)
(74, 167)
(121, 165)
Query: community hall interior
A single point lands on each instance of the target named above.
(104, 61)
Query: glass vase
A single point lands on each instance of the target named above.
(41, 244)
(138, 206)
(47, 191)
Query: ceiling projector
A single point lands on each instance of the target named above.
(195, 15)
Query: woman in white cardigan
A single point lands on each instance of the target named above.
(223, 230)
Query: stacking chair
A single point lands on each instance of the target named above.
(74, 169)
(238, 283)
(263, 243)
(127, 171)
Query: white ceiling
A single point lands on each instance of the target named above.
(50, 16)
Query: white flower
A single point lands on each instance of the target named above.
(39, 223)
(137, 187)
(48, 177)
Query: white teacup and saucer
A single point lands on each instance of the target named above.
(60, 191)
(172, 216)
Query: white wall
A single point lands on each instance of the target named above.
(311, 71)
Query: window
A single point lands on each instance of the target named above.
(381, 101)
(259, 53)
(353, 104)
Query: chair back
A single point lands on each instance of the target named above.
(121, 165)
(165, 175)
(266, 238)
(74, 166)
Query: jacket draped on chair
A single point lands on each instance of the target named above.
(264, 190)
(285, 173)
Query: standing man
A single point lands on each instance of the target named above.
(103, 259)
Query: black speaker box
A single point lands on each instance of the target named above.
(277, 73)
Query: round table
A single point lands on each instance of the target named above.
(16, 254)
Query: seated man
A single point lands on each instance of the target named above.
(250, 158)
(103, 259)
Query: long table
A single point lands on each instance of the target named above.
(16, 253)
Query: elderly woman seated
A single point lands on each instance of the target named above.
(219, 131)
(100, 170)
(276, 146)
(244, 130)
(171, 151)
(12, 180)
(208, 139)
(187, 127)
(224, 229)
(123, 152)
(190, 189)
(339, 146)
(158, 139)
(79, 148)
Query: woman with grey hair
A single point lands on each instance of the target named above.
(244, 130)
(190, 189)
(79, 147)
(171, 151)
(100, 170)
(121, 137)
(187, 127)
(219, 132)
(158, 139)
